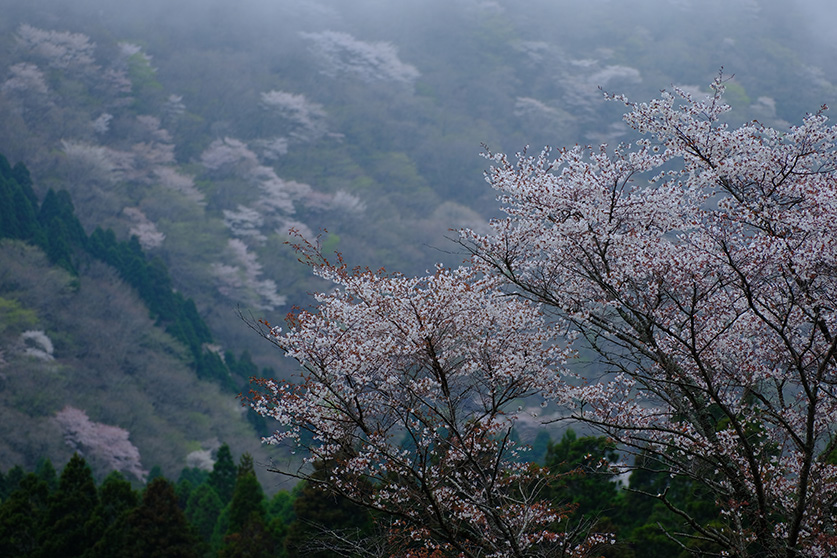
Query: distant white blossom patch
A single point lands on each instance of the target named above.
(173, 180)
(102, 123)
(25, 77)
(200, 459)
(37, 345)
(225, 154)
(105, 442)
(60, 49)
(103, 163)
(616, 73)
(245, 222)
(349, 203)
(129, 49)
(307, 118)
(272, 148)
(239, 279)
(145, 230)
(174, 106)
(340, 53)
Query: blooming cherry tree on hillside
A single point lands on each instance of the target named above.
(701, 264)
(408, 393)
(341, 53)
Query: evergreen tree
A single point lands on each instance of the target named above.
(116, 499)
(158, 528)
(248, 497)
(67, 530)
(586, 478)
(316, 510)
(46, 472)
(21, 518)
(203, 509)
(247, 531)
(11, 481)
(63, 234)
(223, 475)
(194, 475)
(255, 540)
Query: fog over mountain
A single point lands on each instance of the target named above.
(207, 129)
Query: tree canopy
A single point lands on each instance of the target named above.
(699, 263)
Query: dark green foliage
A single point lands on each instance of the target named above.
(254, 540)
(315, 511)
(63, 234)
(18, 205)
(21, 518)
(248, 496)
(10, 481)
(203, 509)
(242, 369)
(193, 475)
(247, 531)
(56, 229)
(158, 528)
(67, 529)
(224, 473)
(540, 445)
(46, 472)
(177, 314)
(156, 472)
(583, 465)
(648, 523)
(116, 498)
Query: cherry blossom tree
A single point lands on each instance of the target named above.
(341, 53)
(98, 441)
(700, 263)
(407, 395)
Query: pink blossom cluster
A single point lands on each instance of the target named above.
(701, 264)
(407, 392)
(102, 441)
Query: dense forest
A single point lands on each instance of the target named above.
(155, 158)
(224, 512)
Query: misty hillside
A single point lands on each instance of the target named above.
(207, 130)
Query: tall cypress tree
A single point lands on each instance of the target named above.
(247, 533)
(116, 499)
(203, 509)
(157, 527)
(248, 497)
(46, 472)
(66, 531)
(21, 517)
(315, 510)
(223, 475)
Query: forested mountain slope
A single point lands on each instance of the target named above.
(95, 364)
(207, 129)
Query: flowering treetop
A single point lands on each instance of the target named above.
(408, 392)
(700, 263)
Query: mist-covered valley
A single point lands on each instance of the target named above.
(209, 129)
